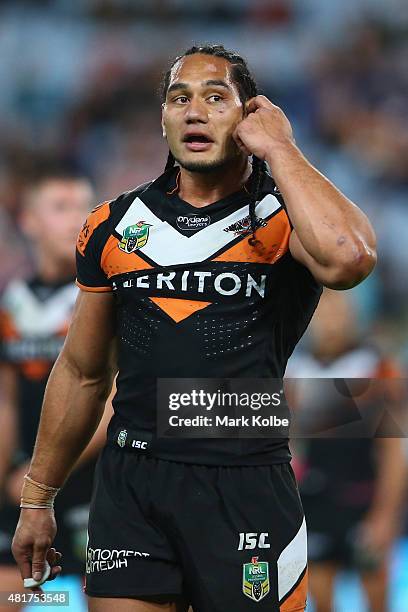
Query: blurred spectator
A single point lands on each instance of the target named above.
(79, 83)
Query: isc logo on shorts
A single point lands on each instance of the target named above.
(249, 541)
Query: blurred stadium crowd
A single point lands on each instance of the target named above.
(79, 82)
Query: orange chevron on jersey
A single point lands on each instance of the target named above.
(177, 309)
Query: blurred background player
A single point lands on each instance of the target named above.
(351, 488)
(34, 317)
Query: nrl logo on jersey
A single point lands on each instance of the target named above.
(134, 237)
(255, 579)
(243, 226)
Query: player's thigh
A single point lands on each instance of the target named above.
(321, 584)
(107, 604)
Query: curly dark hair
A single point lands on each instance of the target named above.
(247, 88)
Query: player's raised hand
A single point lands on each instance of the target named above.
(264, 129)
(32, 541)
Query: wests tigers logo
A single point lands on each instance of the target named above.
(243, 226)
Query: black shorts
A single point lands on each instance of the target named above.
(223, 539)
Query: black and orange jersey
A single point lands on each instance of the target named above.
(194, 299)
(34, 319)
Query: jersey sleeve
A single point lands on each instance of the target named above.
(90, 244)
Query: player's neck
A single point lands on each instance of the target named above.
(200, 189)
(52, 270)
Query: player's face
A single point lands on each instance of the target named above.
(201, 111)
(54, 217)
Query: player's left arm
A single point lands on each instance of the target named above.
(331, 236)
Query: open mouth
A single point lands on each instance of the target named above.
(197, 142)
(197, 138)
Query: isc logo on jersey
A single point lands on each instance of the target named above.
(134, 237)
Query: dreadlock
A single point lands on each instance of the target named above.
(247, 88)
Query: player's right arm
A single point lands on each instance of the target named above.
(98, 440)
(73, 405)
(74, 399)
(77, 389)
